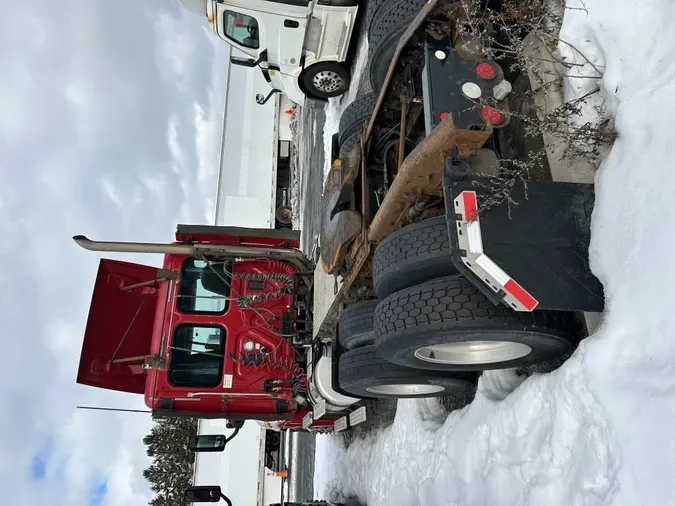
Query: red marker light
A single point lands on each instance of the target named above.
(486, 71)
(492, 115)
(444, 115)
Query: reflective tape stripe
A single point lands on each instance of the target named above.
(493, 270)
(467, 204)
(520, 294)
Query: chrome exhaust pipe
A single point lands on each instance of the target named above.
(134, 247)
(294, 256)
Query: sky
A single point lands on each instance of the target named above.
(110, 126)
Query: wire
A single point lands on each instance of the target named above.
(245, 302)
(391, 130)
(258, 359)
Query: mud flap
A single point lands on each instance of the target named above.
(530, 254)
(357, 416)
(351, 420)
(340, 424)
(340, 223)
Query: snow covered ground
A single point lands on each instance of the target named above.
(599, 430)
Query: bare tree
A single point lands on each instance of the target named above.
(509, 36)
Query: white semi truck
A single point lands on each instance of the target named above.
(254, 187)
(300, 45)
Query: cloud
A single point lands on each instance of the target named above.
(110, 117)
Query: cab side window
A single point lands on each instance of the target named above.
(197, 356)
(204, 288)
(242, 29)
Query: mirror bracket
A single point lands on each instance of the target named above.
(249, 62)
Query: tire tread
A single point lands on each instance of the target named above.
(356, 325)
(412, 255)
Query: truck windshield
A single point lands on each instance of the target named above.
(197, 356)
(242, 29)
(204, 288)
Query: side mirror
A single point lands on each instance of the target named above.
(262, 100)
(203, 494)
(249, 62)
(207, 443)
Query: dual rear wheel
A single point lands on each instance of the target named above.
(431, 332)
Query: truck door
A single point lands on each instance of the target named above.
(274, 26)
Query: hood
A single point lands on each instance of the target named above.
(111, 314)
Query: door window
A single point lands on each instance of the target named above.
(242, 29)
(204, 288)
(197, 356)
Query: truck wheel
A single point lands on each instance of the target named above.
(389, 20)
(324, 80)
(448, 325)
(284, 215)
(355, 115)
(412, 255)
(356, 325)
(272, 441)
(362, 374)
(352, 119)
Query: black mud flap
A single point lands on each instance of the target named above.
(527, 255)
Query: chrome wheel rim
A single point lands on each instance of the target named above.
(405, 390)
(473, 352)
(327, 81)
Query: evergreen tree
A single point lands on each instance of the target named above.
(172, 467)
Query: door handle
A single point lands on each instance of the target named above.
(291, 23)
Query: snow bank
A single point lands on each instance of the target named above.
(597, 431)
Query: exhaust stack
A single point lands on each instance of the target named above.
(134, 247)
(294, 256)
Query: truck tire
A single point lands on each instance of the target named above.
(448, 325)
(356, 325)
(272, 441)
(352, 119)
(324, 80)
(356, 114)
(362, 374)
(348, 145)
(412, 255)
(390, 19)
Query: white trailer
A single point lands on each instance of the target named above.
(254, 184)
(241, 468)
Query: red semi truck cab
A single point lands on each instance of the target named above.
(211, 333)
